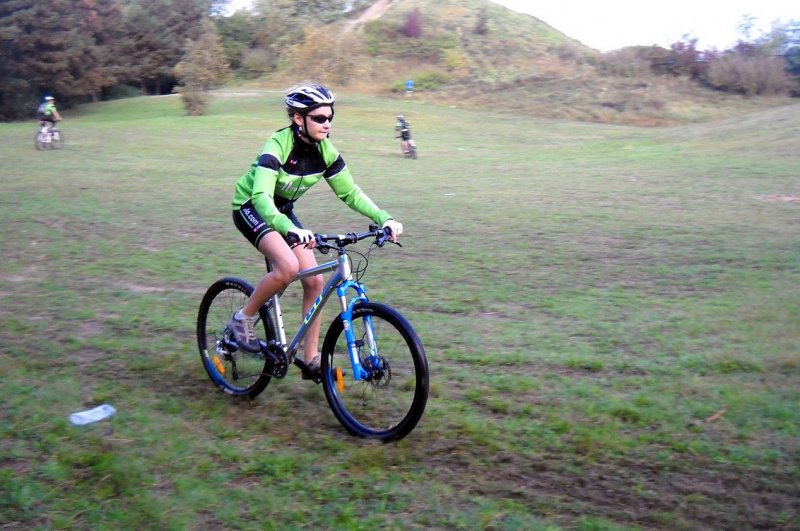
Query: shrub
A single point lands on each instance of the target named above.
(324, 55)
(430, 80)
(413, 26)
(482, 22)
(626, 62)
(195, 102)
(456, 61)
(749, 75)
(422, 81)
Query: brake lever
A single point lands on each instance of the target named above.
(380, 241)
(322, 246)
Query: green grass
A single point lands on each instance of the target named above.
(589, 296)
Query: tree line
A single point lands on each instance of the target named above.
(79, 50)
(88, 50)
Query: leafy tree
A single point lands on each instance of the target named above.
(219, 7)
(685, 58)
(278, 27)
(102, 23)
(203, 67)
(155, 34)
(237, 32)
(62, 46)
(792, 57)
(789, 45)
(76, 49)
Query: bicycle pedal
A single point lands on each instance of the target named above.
(305, 373)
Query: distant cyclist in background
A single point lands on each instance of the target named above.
(404, 134)
(293, 160)
(47, 113)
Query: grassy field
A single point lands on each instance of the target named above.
(610, 315)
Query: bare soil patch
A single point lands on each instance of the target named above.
(780, 198)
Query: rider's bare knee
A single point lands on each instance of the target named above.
(285, 271)
(313, 284)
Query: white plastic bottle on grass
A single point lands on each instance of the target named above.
(92, 415)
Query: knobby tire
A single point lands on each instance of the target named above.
(389, 407)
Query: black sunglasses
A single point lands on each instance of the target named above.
(320, 118)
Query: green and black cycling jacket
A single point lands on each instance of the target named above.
(287, 167)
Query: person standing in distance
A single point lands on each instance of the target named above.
(293, 160)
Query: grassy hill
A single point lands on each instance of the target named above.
(518, 64)
(610, 315)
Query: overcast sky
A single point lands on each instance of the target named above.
(611, 24)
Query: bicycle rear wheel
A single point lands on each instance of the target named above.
(38, 142)
(390, 403)
(234, 371)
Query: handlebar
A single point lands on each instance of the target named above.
(339, 241)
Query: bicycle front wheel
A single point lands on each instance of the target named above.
(389, 403)
(233, 370)
(56, 140)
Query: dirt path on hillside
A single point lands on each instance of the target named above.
(374, 11)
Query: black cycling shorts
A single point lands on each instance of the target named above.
(253, 226)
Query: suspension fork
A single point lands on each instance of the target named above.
(353, 342)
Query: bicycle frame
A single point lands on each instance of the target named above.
(46, 132)
(340, 281)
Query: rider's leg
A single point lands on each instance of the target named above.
(284, 268)
(312, 287)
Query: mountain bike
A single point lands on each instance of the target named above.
(48, 137)
(374, 372)
(411, 152)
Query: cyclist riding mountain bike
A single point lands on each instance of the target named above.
(293, 160)
(47, 113)
(404, 129)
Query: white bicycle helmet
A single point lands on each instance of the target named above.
(307, 98)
